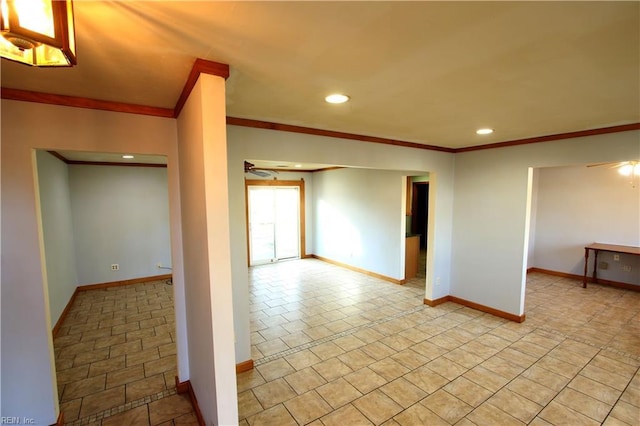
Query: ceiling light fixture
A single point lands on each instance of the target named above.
(485, 131)
(127, 156)
(38, 32)
(298, 165)
(336, 98)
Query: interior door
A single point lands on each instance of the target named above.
(274, 224)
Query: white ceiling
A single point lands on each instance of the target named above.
(426, 72)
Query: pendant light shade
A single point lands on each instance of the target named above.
(38, 32)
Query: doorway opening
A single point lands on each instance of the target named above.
(275, 220)
(104, 230)
(420, 211)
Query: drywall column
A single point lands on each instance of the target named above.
(491, 219)
(439, 234)
(202, 146)
(177, 262)
(28, 374)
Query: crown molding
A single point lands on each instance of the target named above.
(200, 66)
(537, 139)
(103, 163)
(555, 137)
(78, 102)
(245, 122)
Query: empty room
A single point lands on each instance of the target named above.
(280, 153)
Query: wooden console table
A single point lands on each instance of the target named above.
(597, 247)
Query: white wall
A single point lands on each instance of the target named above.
(308, 199)
(57, 229)
(28, 371)
(121, 216)
(489, 251)
(259, 144)
(581, 205)
(207, 272)
(93, 216)
(360, 219)
(533, 220)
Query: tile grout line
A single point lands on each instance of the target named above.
(593, 345)
(505, 386)
(401, 314)
(534, 329)
(122, 408)
(615, 404)
(99, 299)
(568, 383)
(332, 337)
(371, 324)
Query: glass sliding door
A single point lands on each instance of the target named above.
(261, 225)
(274, 223)
(287, 223)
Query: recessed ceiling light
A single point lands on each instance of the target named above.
(128, 156)
(337, 98)
(484, 131)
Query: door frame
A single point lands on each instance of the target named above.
(301, 210)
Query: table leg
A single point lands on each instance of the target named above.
(586, 265)
(595, 266)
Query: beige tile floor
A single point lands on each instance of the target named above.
(115, 358)
(334, 347)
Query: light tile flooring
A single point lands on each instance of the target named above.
(334, 347)
(115, 358)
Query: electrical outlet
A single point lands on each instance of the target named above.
(159, 265)
(626, 268)
(115, 267)
(603, 265)
(437, 280)
(616, 258)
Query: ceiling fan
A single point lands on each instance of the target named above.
(251, 168)
(625, 168)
